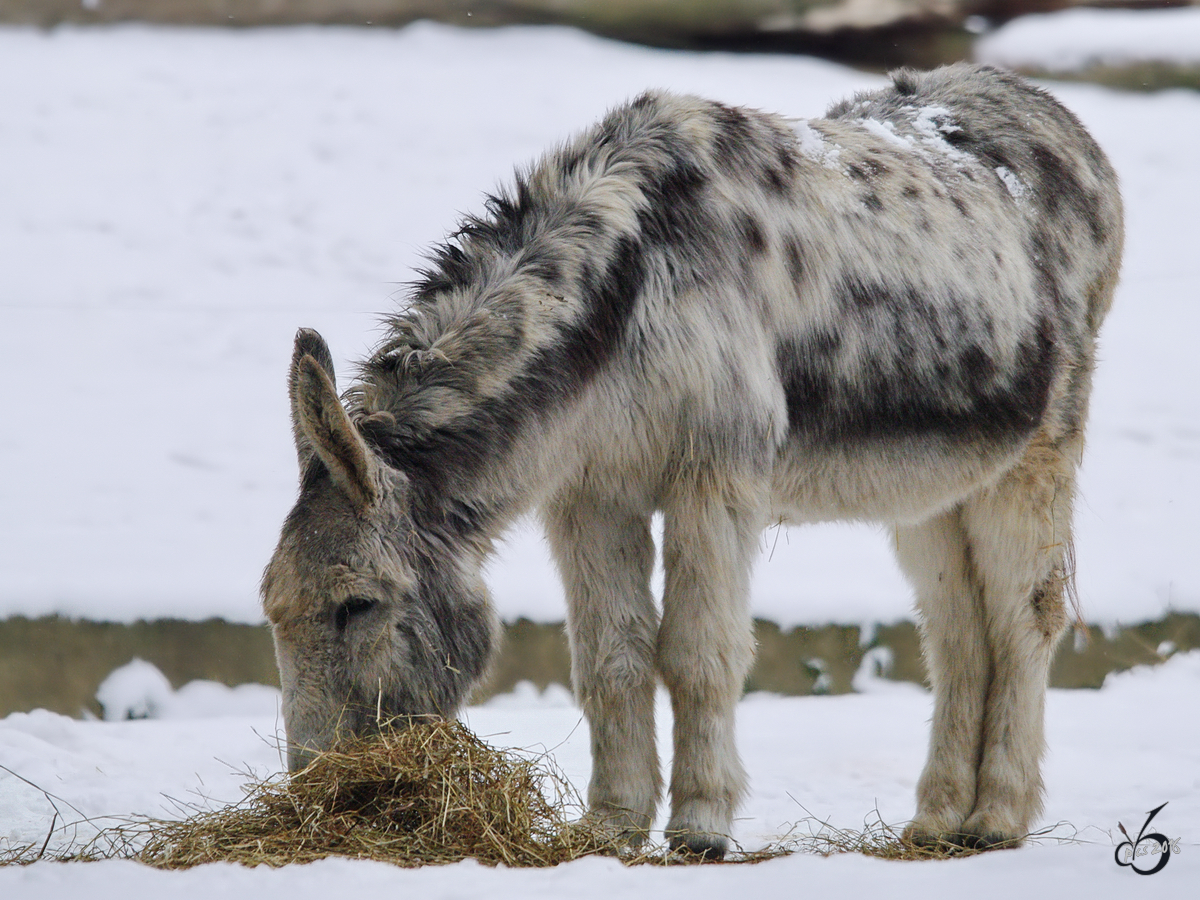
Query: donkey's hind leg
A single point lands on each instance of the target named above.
(605, 555)
(1020, 538)
(935, 555)
(705, 648)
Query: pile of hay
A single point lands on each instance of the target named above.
(428, 794)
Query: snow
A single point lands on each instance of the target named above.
(931, 124)
(886, 131)
(138, 690)
(177, 202)
(1076, 39)
(813, 145)
(1114, 754)
(1014, 184)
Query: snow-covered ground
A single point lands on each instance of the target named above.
(1077, 39)
(175, 203)
(1114, 755)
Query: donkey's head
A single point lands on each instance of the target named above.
(374, 616)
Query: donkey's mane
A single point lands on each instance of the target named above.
(521, 306)
(419, 395)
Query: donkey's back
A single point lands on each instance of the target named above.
(883, 306)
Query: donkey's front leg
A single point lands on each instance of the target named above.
(605, 555)
(705, 648)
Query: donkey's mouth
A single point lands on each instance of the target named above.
(299, 757)
(353, 725)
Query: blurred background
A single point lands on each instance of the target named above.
(874, 34)
(186, 182)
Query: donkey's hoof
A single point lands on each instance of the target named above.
(949, 840)
(966, 839)
(620, 829)
(982, 832)
(705, 847)
(932, 838)
(991, 840)
(700, 828)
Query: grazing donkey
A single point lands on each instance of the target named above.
(889, 314)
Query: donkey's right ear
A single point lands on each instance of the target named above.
(327, 431)
(308, 343)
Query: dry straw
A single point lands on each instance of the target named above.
(877, 839)
(428, 794)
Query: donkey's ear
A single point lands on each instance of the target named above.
(322, 427)
(308, 343)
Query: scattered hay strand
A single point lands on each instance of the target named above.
(877, 839)
(883, 841)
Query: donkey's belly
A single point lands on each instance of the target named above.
(904, 482)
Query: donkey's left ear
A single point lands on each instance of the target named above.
(308, 343)
(322, 427)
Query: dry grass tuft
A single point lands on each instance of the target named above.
(428, 794)
(877, 839)
(883, 841)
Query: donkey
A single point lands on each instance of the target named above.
(889, 314)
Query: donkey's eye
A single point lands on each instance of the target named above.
(350, 609)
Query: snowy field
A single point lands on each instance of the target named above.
(176, 203)
(1114, 755)
(1076, 39)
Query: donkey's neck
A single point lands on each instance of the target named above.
(520, 313)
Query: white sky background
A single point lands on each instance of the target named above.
(176, 203)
